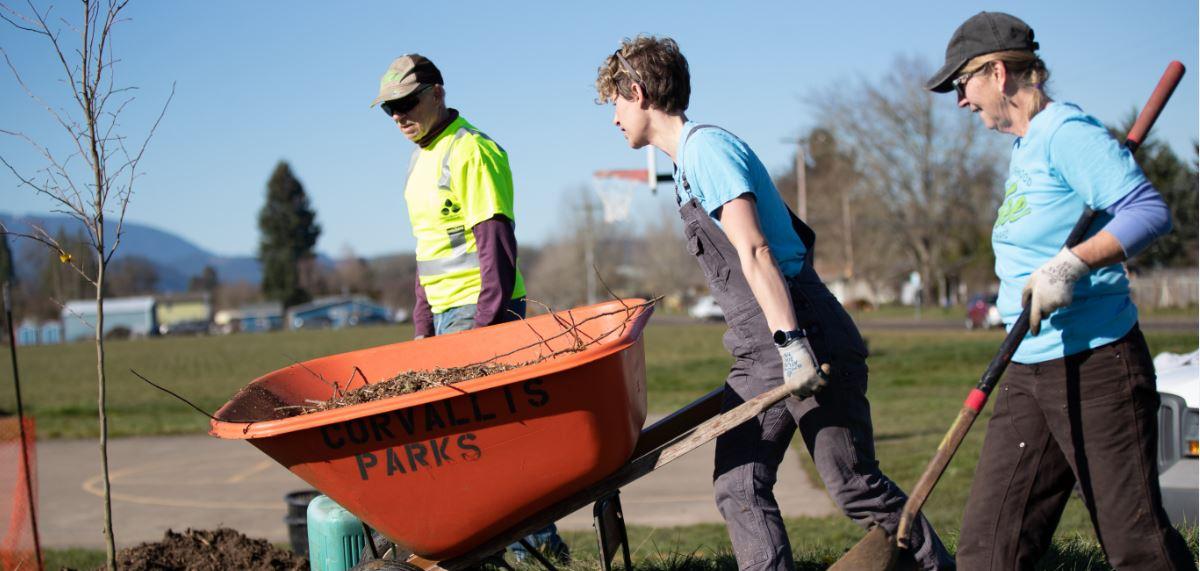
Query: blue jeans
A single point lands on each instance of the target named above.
(462, 318)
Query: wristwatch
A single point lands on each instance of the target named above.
(785, 338)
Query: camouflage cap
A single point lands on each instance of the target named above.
(407, 74)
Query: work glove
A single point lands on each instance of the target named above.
(800, 370)
(1052, 286)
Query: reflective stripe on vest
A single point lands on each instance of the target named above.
(458, 260)
(444, 181)
(439, 198)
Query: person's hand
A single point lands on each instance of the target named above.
(800, 371)
(1051, 287)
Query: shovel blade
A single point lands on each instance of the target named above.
(875, 552)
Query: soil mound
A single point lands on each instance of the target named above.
(209, 550)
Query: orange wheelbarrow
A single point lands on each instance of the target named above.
(452, 475)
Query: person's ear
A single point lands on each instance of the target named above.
(999, 73)
(639, 95)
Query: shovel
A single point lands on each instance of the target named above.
(879, 551)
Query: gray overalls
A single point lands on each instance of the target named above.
(835, 425)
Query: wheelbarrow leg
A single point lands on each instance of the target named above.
(609, 521)
(537, 554)
(370, 540)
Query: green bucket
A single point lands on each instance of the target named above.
(335, 537)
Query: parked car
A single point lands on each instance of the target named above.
(982, 312)
(1178, 420)
(706, 308)
(184, 328)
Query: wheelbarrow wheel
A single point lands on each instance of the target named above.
(385, 565)
(388, 552)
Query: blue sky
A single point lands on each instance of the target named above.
(261, 81)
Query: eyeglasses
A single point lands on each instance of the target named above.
(404, 104)
(960, 82)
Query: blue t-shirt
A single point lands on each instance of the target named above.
(1066, 160)
(721, 167)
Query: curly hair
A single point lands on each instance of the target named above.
(656, 64)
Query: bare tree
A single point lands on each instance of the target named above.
(565, 272)
(924, 165)
(94, 179)
(665, 265)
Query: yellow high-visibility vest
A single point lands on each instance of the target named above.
(458, 181)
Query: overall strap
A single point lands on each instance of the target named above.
(687, 188)
(803, 231)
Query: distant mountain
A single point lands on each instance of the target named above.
(176, 259)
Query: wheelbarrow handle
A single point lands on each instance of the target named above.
(639, 467)
(978, 396)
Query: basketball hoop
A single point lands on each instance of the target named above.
(616, 188)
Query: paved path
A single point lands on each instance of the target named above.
(200, 482)
(901, 323)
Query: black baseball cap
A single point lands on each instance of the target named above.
(983, 33)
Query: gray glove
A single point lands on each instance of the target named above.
(800, 370)
(1052, 286)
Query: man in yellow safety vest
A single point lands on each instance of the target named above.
(459, 193)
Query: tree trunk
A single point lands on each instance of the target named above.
(110, 541)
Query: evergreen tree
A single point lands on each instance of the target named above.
(288, 233)
(207, 281)
(1176, 181)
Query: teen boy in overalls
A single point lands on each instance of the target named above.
(757, 258)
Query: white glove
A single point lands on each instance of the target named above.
(1052, 286)
(800, 371)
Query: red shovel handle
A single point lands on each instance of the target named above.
(1158, 100)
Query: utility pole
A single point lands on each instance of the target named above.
(801, 178)
(801, 182)
(847, 229)
(589, 248)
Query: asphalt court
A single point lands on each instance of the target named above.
(177, 482)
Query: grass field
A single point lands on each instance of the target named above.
(918, 381)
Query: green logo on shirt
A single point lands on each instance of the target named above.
(1013, 208)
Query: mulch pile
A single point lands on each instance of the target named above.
(209, 550)
(408, 382)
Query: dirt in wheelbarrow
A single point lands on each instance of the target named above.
(209, 550)
(407, 382)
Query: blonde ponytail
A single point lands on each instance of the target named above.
(1025, 67)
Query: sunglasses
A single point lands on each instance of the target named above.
(404, 104)
(960, 82)
(632, 73)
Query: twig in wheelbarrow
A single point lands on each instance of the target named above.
(413, 381)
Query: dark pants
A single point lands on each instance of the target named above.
(835, 426)
(1091, 419)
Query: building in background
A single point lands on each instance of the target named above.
(28, 333)
(183, 314)
(33, 332)
(254, 318)
(51, 333)
(123, 317)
